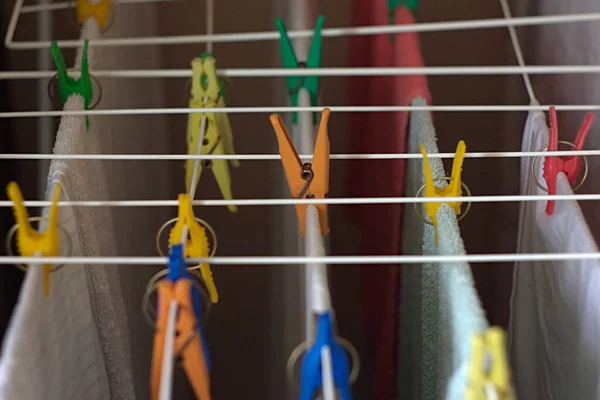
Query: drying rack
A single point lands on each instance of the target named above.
(301, 30)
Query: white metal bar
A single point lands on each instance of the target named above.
(273, 157)
(279, 109)
(517, 47)
(65, 5)
(323, 72)
(287, 202)
(295, 260)
(274, 35)
(168, 359)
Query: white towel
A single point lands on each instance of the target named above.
(73, 344)
(440, 308)
(555, 322)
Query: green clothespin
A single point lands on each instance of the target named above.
(68, 86)
(295, 83)
(393, 4)
(205, 55)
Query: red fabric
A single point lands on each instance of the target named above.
(382, 133)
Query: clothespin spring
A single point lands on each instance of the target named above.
(307, 174)
(586, 168)
(149, 310)
(303, 347)
(444, 178)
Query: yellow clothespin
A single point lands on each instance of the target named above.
(30, 241)
(489, 373)
(100, 11)
(218, 139)
(454, 188)
(197, 243)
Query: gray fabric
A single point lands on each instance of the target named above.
(440, 308)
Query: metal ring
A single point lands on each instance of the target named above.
(13, 230)
(537, 182)
(94, 81)
(73, 19)
(302, 347)
(148, 308)
(445, 178)
(200, 221)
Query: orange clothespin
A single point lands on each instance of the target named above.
(100, 11)
(189, 343)
(31, 242)
(311, 179)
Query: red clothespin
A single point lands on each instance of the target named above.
(569, 165)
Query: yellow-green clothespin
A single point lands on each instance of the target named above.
(218, 139)
(454, 188)
(31, 242)
(489, 373)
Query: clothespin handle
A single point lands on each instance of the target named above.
(68, 86)
(288, 55)
(488, 366)
(100, 11)
(453, 189)
(568, 165)
(31, 242)
(394, 4)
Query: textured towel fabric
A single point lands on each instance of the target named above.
(555, 323)
(440, 308)
(382, 133)
(75, 342)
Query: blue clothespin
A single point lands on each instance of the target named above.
(295, 83)
(311, 373)
(178, 270)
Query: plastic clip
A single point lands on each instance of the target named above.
(190, 342)
(453, 189)
(308, 180)
(489, 373)
(295, 83)
(100, 11)
(68, 86)
(569, 165)
(218, 139)
(197, 243)
(312, 373)
(31, 242)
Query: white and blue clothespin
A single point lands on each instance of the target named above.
(326, 365)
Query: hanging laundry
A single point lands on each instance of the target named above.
(73, 344)
(440, 308)
(382, 178)
(555, 323)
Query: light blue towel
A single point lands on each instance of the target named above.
(440, 308)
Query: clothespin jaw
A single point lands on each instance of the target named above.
(311, 372)
(218, 138)
(68, 86)
(454, 188)
(100, 11)
(488, 368)
(30, 241)
(569, 165)
(189, 343)
(295, 83)
(197, 243)
(308, 180)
